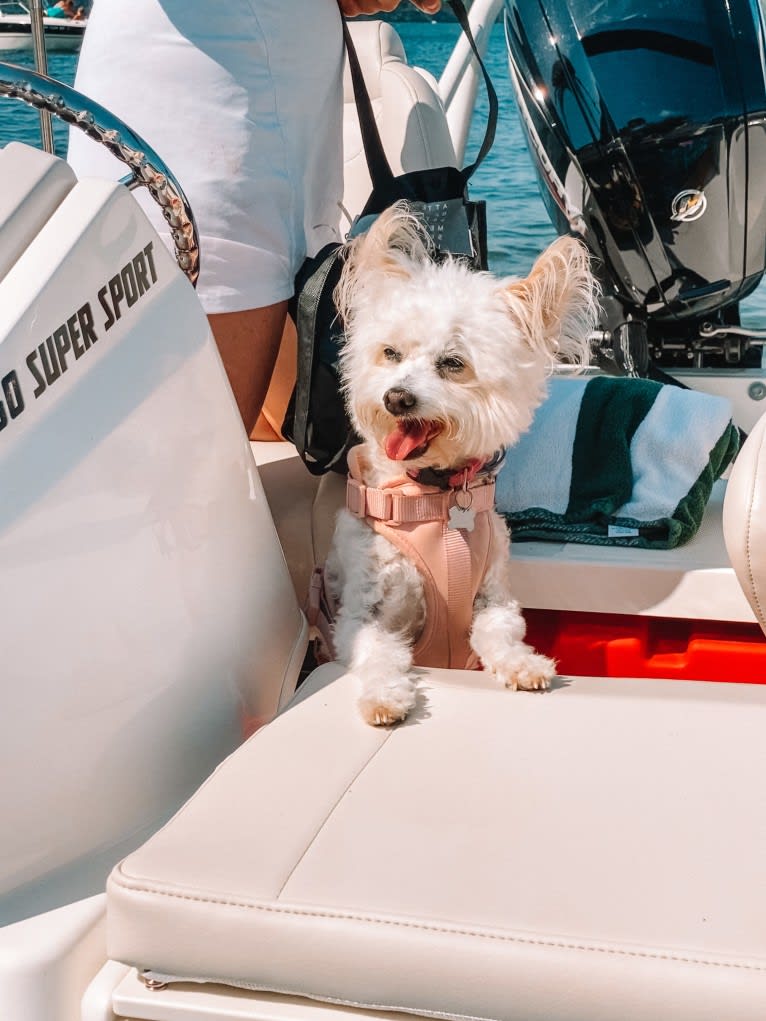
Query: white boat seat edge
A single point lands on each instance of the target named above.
(744, 520)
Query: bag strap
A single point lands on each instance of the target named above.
(306, 317)
(377, 161)
(458, 9)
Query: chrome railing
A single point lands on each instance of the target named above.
(146, 168)
(41, 66)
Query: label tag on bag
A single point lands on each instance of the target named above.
(446, 222)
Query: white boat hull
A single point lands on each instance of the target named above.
(148, 523)
(60, 34)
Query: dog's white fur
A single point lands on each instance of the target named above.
(410, 324)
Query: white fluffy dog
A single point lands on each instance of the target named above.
(443, 367)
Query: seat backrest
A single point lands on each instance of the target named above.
(744, 519)
(408, 112)
(148, 616)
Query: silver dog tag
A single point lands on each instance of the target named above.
(461, 517)
(461, 514)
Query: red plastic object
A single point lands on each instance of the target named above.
(615, 645)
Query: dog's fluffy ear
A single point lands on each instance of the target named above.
(556, 304)
(393, 243)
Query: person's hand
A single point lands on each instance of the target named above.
(352, 8)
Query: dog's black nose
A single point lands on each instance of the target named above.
(398, 401)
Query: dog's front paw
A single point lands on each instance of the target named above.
(531, 672)
(386, 703)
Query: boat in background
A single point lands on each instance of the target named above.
(63, 34)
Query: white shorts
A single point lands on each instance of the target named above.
(243, 101)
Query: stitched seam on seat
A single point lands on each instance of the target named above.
(443, 930)
(338, 800)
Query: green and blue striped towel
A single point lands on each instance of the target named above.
(616, 461)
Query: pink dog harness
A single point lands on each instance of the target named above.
(447, 534)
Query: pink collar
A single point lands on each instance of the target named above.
(455, 479)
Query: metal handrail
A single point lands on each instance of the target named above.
(146, 168)
(41, 66)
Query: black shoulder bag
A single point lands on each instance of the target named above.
(316, 420)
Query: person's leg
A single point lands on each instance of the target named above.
(281, 387)
(248, 343)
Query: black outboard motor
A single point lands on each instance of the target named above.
(647, 123)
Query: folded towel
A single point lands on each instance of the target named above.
(616, 461)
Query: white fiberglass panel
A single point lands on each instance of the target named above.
(146, 611)
(32, 185)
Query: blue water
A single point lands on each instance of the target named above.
(518, 225)
(20, 122)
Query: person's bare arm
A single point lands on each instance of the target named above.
(352, 8)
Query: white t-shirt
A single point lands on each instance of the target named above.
(243, 102)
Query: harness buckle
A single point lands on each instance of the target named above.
(356, 497)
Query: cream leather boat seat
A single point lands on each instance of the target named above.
(593, 853)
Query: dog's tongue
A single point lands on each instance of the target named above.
(409, 435)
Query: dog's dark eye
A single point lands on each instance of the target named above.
(390, 355)
(450, 364)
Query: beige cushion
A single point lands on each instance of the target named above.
(595, 853)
